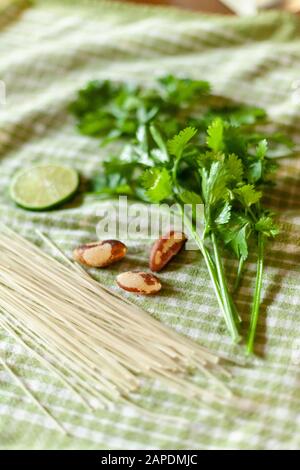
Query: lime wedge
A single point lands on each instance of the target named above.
(43, 187)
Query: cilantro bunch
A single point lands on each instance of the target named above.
(182, 147)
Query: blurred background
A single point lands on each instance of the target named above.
(227, 6)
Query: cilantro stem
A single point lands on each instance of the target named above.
(239, 274)
(257, 294)
(228, 307)
(252, 214)
(225, 308)
(237, 317)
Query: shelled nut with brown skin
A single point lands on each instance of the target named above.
(100, 254)
(139, 282)
(165, 249)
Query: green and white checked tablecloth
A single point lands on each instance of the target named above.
(47, 51)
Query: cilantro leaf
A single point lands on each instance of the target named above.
(235, 141)
(261, 149)
(255, 171)
(182, 90)
(215, 134)
(190, 197)
(214, 183)
(247, 195)
(158, 185)
(236, 235)
(160, 142)
(177, 144)
(118, 177)
(91, 98)
(246, 115)
(239, 243)
(234, 167)
(267, 226)
(223, 214)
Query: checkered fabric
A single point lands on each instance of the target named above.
(48, 50)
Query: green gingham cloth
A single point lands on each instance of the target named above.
(47, 51)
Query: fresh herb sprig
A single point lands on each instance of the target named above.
(114, 110)
(181, 146)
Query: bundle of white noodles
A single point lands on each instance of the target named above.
(99, 344)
